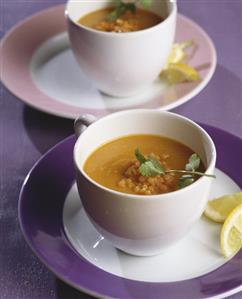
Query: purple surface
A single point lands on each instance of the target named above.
(25, 134)
(41, 222)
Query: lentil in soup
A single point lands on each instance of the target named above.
(114, 165)
(129, 21)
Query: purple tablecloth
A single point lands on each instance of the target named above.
(25, 134)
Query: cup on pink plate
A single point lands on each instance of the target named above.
(121, 64)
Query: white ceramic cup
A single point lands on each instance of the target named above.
(121, 64)
(138, 224)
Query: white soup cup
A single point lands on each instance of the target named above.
(143, 224)
(121, 64)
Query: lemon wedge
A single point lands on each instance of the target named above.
(180, 72)
(218, 209)
(177, 53)
(175, 70)
(231, 233)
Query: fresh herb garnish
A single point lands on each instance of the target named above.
(151, 167)
(146, 3)
(193, 163)
(148, 167)
(121, 8)
(185, 180)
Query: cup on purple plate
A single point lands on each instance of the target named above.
(142, 225)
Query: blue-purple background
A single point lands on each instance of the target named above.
(25, 134)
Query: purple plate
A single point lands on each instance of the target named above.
(40, 214)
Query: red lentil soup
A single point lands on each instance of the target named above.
(114, 165)
(141, 19)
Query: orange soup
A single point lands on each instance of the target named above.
(115, 166)
(129, 21)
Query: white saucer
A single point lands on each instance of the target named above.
(56, 73)
(200, 248)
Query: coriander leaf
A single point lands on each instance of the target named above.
(139, 156)
(148, 169)
(119, 10)
(185, 180)
(194, 162)
(112, 16)
(150, 166)
(131, 7)
(146, 3)
(116, 13)
(157, 165)
(117, 2)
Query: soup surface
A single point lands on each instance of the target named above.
(115, 166)
(127, 22)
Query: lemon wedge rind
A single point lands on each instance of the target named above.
(179, 73)
(231, 233)
(219, 208)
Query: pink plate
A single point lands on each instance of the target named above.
(39, 69)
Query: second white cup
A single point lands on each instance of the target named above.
(121, 64)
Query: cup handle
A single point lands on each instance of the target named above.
(82, 122)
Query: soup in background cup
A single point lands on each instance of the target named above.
(121, 64)
(142, 224)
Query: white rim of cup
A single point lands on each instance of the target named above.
(123, 34)
(155, 196)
